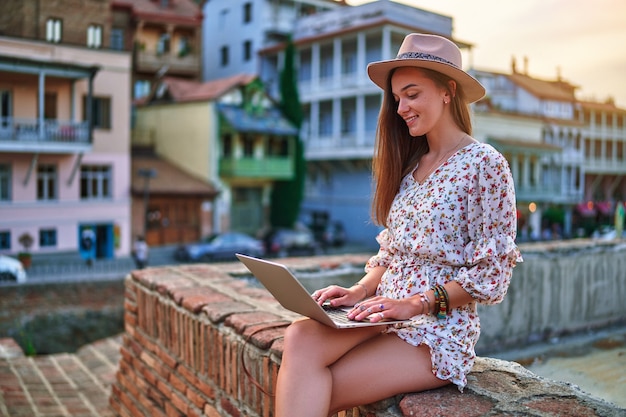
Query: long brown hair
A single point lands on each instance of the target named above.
(396, 152)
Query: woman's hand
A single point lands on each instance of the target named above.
(382, 308)
(338, 296)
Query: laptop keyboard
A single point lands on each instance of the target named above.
(337, 315)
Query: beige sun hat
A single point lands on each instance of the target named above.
(432, 52)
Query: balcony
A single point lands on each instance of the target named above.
(266, 168)
(54, 136)
(146, 61)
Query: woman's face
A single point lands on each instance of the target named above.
(419, 99)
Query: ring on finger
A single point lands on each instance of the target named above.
(362, 307)
(369, 310)
(381, 315)
(382, 306)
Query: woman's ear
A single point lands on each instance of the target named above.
(452, 88)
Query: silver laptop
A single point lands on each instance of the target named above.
(292, 295)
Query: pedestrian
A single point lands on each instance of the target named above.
(447, 206)
(140, 252)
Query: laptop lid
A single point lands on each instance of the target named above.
(292, 295)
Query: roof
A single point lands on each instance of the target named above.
(606, 106)
(177, 11)
(555, 90)
(522, 145)
(182, 90)
(169, 179)
(266, 121)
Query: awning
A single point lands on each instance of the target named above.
(587, 209)
(269, 121)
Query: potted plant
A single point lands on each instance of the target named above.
(26, 240)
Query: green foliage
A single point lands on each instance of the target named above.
(287, 196)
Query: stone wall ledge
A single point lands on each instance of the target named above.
(191, 329)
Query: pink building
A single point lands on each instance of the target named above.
(64, 147)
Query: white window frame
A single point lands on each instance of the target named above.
(94, 36)
(54, 30)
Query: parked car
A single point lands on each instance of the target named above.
(289, 242)
(11, 269)
(334, 235)
(220, 246)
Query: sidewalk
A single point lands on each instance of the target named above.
(59, 385)
(69, 266)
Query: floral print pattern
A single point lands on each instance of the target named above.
(458, 224)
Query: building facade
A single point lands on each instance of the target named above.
(234, 31)
(165, 37)
(228, 133)
(64, 144)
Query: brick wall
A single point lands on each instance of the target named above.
(19, 303)
(27, 18)
(189, 331)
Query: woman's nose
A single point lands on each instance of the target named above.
(402, 107)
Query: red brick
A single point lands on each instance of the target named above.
(207, 390)
(195, 398)
(178, 384)
(180, 402)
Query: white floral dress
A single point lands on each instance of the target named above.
(458, 224)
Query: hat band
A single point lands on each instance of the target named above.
(427, 57)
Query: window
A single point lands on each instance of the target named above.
(5, 109)
(100, 112)
(184, 48)
(94, 36)
(227, 146)
(248, 145)
(95, 182)
(54, 30)
(46, 182)
(50, 105)
(163, 46)
(47, 237)
(224, 55)
(142, 88)
(247, 51)
(5, 182)
(117, 39)
(247, 13)
(5, 239)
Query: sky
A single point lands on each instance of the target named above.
(584, 41)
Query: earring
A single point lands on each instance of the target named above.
(445, 101)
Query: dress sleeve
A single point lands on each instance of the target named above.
(491, 253)
(383, 257)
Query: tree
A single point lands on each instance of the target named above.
(287, 195)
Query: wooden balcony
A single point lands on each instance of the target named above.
(53, 136)
(266, 168)
(176, 65)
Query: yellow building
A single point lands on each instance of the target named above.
(226, 132)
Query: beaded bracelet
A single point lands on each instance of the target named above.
(441, 301)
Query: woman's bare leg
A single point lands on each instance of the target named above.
(305, 382)
(380, 368)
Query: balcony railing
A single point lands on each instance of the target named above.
(268, 167)
(151, 61)
(27, 134)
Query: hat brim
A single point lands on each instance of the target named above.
(379, 71)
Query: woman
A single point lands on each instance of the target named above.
(447, 203)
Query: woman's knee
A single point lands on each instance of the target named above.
(302, 333)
